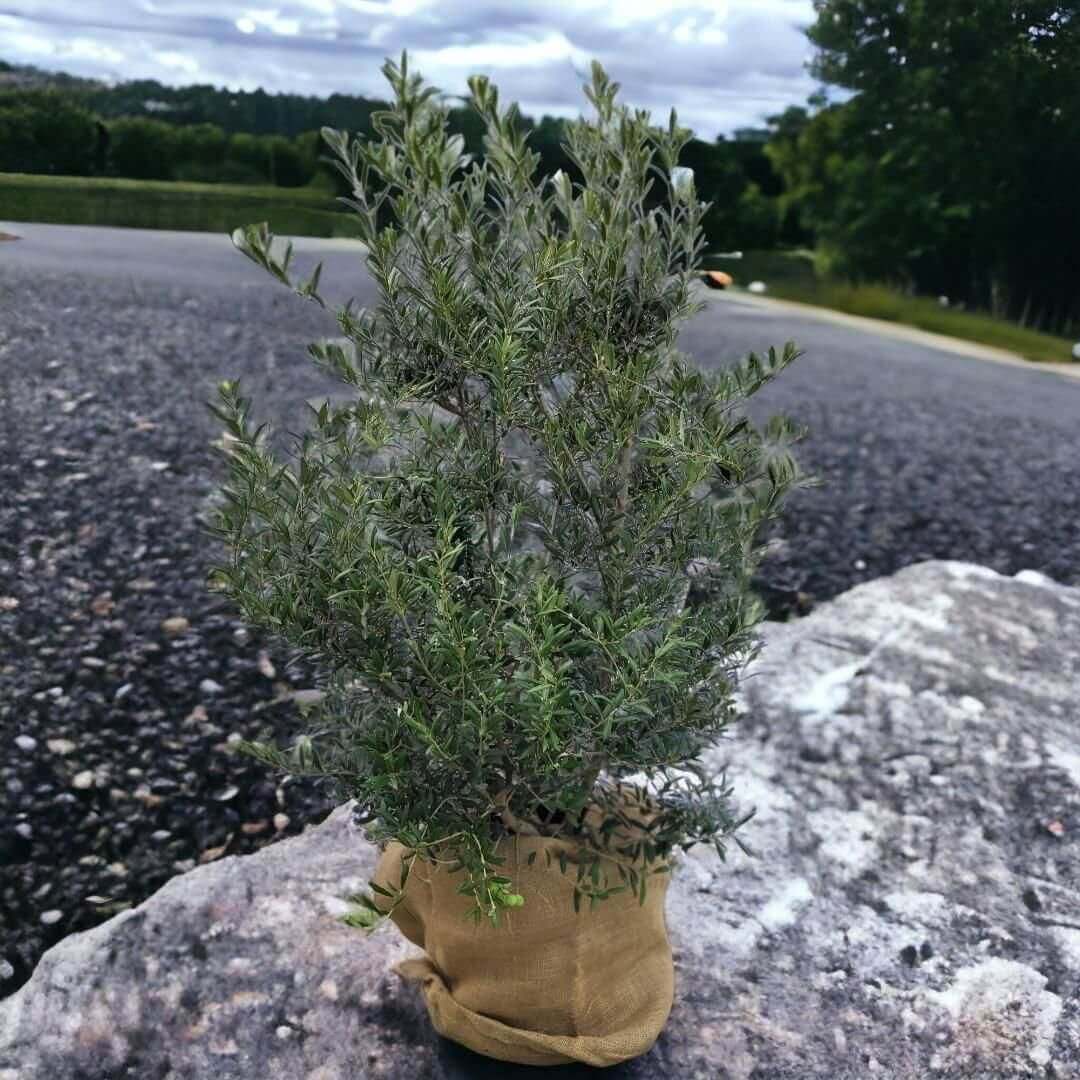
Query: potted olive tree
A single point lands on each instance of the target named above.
(488, 548)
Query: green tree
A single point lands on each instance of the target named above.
(954, 162)
(490, 546)
(200, 152)
(142, 149)
(42, 131)
(247, 159)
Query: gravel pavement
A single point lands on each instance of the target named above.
(122, 680)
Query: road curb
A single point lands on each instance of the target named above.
(900, 332)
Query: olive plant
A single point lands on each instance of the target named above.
(488, 546)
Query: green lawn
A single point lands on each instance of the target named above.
(791, 276)
(152, 204)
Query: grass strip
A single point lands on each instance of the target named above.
(791, 276)
(154, 204)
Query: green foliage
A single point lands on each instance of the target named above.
(254, 112)
(200, 153)
(953, 166)
(805, 277)
(152, 204)
(488, 548)
(210, 135)
(142, 149)
(42, 131)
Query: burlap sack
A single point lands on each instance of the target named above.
(549, 985)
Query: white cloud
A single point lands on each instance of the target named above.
(722, 63)
(177, 61)
(474, 56)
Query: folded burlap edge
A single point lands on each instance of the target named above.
(493, 1038)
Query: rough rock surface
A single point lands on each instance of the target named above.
(911, 749)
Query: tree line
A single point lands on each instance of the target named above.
(953, 168)
(146, 131)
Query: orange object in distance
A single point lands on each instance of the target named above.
(717, 279)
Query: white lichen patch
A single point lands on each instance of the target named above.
(847, 838)
(271, 911)
(995, 673)
(963, 570)
(897, 613)
(829, 692)
(1001, 1011)
(1069, 760)
(1068, 941)
(890, 688)
(930, 654)
(921, 908)
(1033, 577)
(784, 907)
(971, 705)
(336, 906)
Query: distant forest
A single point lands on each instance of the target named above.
(60, 124)
(949, 168)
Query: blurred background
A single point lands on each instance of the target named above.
(916, 162)
(930, 149)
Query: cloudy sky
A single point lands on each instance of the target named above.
(722, 63)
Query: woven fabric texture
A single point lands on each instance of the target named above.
(549, 985)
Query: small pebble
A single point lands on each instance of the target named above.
(103, 604)
(123, 692)
(209, 686)
(160, 835)
(281, 822)
(60, 746)
(175, 625)
(6, 970)
(25, 742)
(48, 918)
(198, 715)
(83, 780)
(25, 830)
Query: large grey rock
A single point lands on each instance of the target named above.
(912, 751)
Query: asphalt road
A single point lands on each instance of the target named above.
(734, 324)
(926, 452)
